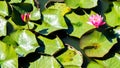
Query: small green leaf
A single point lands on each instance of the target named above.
(4, 8)
(97, 44)
(71, 57)
(113, 17)
(52, 45)
(79, 24)
(26, 41)
(45, 62)
(8, 56)
(3, 26)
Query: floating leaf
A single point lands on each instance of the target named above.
(61, 7)
(97, 44)
(45, 62)
(79, 24)
(113, 17)
(52, 45)
(15, 1)
(3, 26)
(72, 3)
(88, 4)
(81, 3)
(71, 57)
(8, 56)
(35, 14)
(4, 8)
(26, 41)
(112, 62)
(94, 65)
(53, 21)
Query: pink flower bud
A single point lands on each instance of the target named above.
(25, 17)
(96, 20)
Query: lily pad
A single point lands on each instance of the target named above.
(45, 62)
(53, 21)
(97, 44)
(4, 8)
(26, 41)
(52, 45)
(62, 7)
(8, 56)
(81, 3)
(71, 57)
(112, 62)
(113, 17)
(79, 24)
(88, 4)
(3, 26)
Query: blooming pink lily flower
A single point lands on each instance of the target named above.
(96, 20)
(25, 17)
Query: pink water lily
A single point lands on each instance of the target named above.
(96, 20)
(25, 17)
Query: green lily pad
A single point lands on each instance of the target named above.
(26, 41)
(3, 26)
(45, 62)
(112, 62)
(15, 1)
(62, 7)
(88, 4)
(53, 21)
(4, 8)
(71, 57)
(94, 65)
(81, 3)
(79, 24)
(8, 56)
(35, 14)
(113, 17)
(97, 44)
(51, 45)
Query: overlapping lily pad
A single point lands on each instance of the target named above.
(3, 26)
(113, 17)
(8, 56)
(112, 62)
(79, 24)
(26, 41)
(81, 3)
(96, 44)
(51, 45)
(45, 62)
(4, 8)
(53, 21)
(71, 58)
